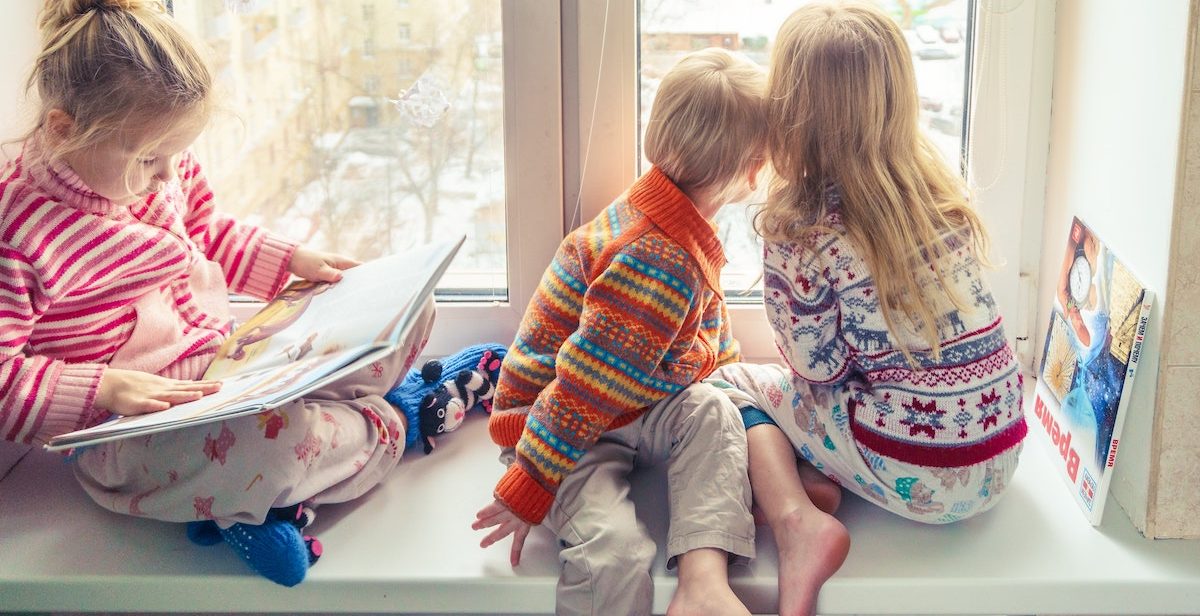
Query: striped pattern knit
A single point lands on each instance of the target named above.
(629, 312)
(72, 267)
(958, 410)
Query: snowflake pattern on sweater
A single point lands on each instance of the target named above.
(960, 409)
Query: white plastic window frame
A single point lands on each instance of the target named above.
(533, 178)
(1008, 135)
(533, 157)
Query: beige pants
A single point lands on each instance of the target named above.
(330, 446)
(606, 553)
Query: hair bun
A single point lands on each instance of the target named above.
(83, 6)
(58, 14)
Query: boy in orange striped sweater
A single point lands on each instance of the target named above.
(605, 372)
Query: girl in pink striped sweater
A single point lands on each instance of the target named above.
(115, 272)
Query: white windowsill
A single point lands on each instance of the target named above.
(407, 548)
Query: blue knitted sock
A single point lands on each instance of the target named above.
(275, 549)
(204, 532)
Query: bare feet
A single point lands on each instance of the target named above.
(714, 600)
(704, 586)
(811, 549)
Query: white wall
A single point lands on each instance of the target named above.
(19, 36)
(1118, 89)
(18, 31)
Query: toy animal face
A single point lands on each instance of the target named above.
(438, 411)
(455, 412)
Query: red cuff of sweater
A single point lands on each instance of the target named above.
(524, 496)
(506, 426)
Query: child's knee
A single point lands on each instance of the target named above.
(609, 549)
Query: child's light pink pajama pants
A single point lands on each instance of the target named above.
(330, 446)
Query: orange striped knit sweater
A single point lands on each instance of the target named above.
(629, 313)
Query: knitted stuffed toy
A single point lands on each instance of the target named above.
(437, 397)
(275, 549)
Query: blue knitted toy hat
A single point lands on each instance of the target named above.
(418, 382)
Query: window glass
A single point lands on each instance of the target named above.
(937, 34)
(381, 142)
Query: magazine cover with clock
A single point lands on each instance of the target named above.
(1093, 345)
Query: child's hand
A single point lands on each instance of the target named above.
(498, 514)
(132, 392)
(319, 266)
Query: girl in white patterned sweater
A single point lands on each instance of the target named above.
(898, 384)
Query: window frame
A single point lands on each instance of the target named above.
(533, 155)
(1009, 134)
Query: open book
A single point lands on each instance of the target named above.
(1097, 327)
(310, 335)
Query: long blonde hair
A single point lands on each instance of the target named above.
(107, 62)
(843, 113)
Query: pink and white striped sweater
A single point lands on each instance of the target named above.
(86, 283)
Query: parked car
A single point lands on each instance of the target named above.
(927, 33)
(936, 52)
(949, 122)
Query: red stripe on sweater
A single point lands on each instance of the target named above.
(237, 263)
(57, 230)
(22, 216)
(30, 399)
(72, 260)
(10, 369)
(97, 331)
(942, 457)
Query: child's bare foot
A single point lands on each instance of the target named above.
(811, 549)
(717, 599)
(704, 585)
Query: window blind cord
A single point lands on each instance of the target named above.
(575, 219)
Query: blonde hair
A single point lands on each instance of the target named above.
(708, 125)
(843, 113)
(107, 62)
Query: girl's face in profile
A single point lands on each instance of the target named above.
(134, 162)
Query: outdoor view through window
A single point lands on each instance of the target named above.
(361, 127)
(368, 127)
(936, 31)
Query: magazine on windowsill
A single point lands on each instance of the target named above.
(1097, 327)
(309, 335)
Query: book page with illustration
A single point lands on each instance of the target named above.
(309, 335)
